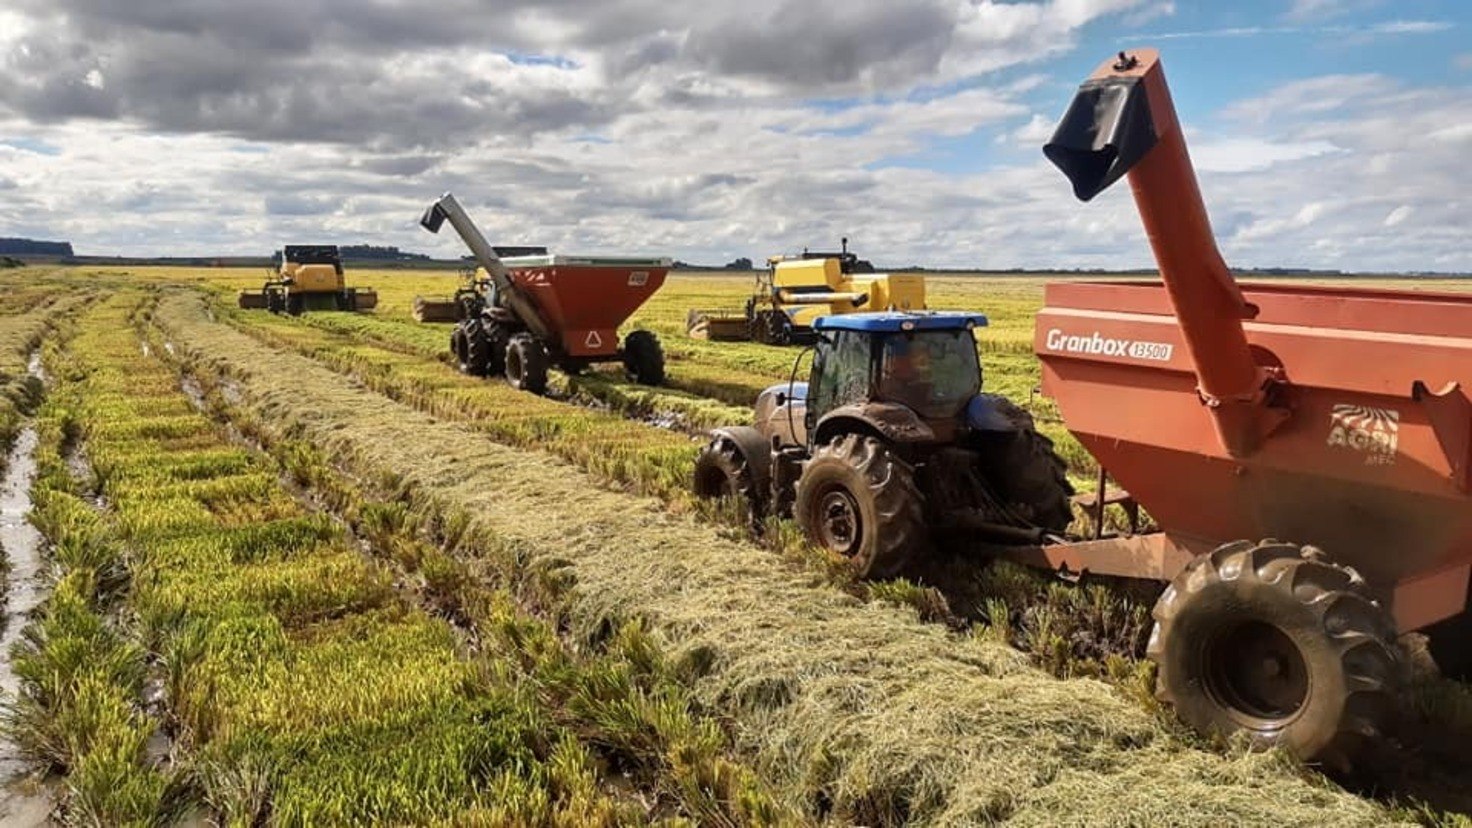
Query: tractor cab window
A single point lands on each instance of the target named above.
(840, 372)
(933, 372)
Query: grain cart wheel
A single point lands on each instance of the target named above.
(1028, 472)
(722, 471)
(526, 364)
(1273, 640)
(475, 348)
(644, 358)
(856, 498)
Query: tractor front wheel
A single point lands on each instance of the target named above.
(1274, 641)
(526, 364)
(721, 470)
(644, 358)
(857, 499)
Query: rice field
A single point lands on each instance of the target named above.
(306, 573)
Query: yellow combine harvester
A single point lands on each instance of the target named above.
(310, 278)
(795, 290)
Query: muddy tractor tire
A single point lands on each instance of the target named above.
(473, 350)
(857, 499)
(643, 358)
(721, 470)
(1273, 641)
(526, 364)
(1028, 473)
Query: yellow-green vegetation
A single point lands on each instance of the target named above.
(298, 686)
(858, 711)
(433, 597)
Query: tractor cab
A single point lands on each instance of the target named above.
(925, 362)
(912, 377)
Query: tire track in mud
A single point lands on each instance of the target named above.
(865, 712)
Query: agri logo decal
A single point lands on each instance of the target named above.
(1374, 432)
(1098, 344)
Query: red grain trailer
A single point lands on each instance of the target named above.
(528, 313)
(1334, 420)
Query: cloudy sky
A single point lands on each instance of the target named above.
(1328, 133)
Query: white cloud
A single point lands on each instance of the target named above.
(1411, 27)
(592, 138)
(1245, 154)
(1398, 215)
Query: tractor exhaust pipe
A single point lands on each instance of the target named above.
(448, 208)
(1123, 122)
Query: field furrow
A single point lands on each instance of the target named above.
(858, 710)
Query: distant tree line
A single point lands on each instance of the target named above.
(373, 251)
(31, 247)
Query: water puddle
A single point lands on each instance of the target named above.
(24, 799)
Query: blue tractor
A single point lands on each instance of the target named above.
(890, 444)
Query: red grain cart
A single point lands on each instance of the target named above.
(525, 314)
(1335, 420)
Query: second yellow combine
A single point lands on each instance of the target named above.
(795, 290)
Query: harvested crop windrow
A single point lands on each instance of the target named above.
(299, 686)
(600, 388)
(650, 460)
(858, 710)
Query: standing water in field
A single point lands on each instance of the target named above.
(22, 800)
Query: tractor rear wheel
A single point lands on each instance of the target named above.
(859, 500)
(644, 358)
(1274, 641)
(474, 353)
(526, 364)
(721, 470)
(1027, 471)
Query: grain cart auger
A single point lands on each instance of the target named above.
(309, 277)
(889, 443)
(543, 310)
(1335, 420)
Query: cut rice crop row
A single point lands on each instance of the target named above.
(297, 684)
(857, 710)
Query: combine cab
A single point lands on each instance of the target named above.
(794, 291)
(310, 278)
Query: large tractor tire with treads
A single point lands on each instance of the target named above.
(859, 500)
(473, 349)
(643, 358)
(722, 471)
(526, 364)
(1026, 471)
(1274, 641)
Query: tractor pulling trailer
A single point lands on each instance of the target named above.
(520, 315)
(1332, 422)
